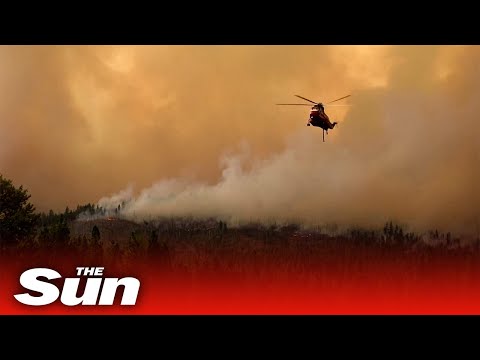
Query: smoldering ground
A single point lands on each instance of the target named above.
(200, 124)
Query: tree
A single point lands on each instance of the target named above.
(153, 240)
(62, 232)
(18, 219)
(95, 234)
(53, 229)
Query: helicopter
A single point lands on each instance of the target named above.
(318, 117)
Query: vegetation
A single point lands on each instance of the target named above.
(18, 219)
(193, 245)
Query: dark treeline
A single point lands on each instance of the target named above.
(21, 224)
(53, 227)
(189, 245)
(50, 218)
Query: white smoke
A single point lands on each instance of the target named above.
(113, 201)
(393, 158)
(407, 152)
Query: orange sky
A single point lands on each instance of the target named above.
(79, 123)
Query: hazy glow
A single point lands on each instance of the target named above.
(199, 123)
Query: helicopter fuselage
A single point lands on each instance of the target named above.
(321, 120)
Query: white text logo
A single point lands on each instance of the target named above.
(94, 293)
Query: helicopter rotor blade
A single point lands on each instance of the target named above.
(337, 105)
(296, 104)
(301, 97)
(339, 99)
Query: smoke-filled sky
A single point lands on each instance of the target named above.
(194, 130)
